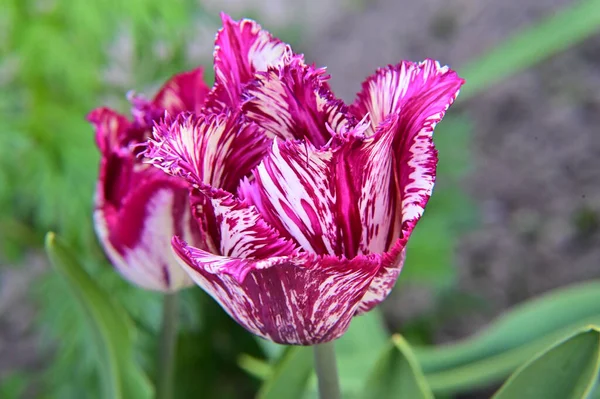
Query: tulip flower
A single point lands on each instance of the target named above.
(139, 208)
(306, 204)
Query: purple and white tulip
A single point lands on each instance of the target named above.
(138, 208)
(305, 204)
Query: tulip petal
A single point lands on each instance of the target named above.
(215, 149)
(300, 300)
(184, 92)
(292, 190)
(412, 91)
(404, 103)
(294, 102)
(242, 48)
(111, 129)
(136, 236)
(236, 228)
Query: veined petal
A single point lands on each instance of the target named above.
(298, 299)
(294, 102)
(136, 235)
(409, 90)
(242, 48)
(215, 149)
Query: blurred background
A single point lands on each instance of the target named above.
(515, 213)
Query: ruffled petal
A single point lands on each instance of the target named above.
(294, 102)
(215, 149)
(242, 48)
(295, 300)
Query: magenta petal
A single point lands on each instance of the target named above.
(410, 90)
(294, 102)
(297, 299)
(238, 230)
(404, 103)
(136, 236)
(242, 48)
(293, 191)
(385, 279)
(184, 92)
(215, 149)
(111, 128)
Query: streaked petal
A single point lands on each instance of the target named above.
(294, 102)
(237, 229)
(412, 91)
(215, 149)
(136, 235)
(242, 48)
(299, 300)
(293, 191)
(385, 279)
(404, 103)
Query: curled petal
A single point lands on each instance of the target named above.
(294, 102)
(215, 149)
(136, 235)
(404, 102)
(298, 299)
(410, 90)
(242, 48)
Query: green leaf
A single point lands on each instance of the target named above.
(496, 352)
(289, 378)
(568, 370)
(113, 332)
(397, 374)
(564, 308)
(532, 45)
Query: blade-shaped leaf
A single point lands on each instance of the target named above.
(289, 377)
(397, 374)
(568, 370)
(559, 311)
(532, 45)
(120, 377)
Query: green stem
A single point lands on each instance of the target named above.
(166, 351)
(326, 368)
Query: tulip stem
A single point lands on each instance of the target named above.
(166, 351)
(326, 369)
